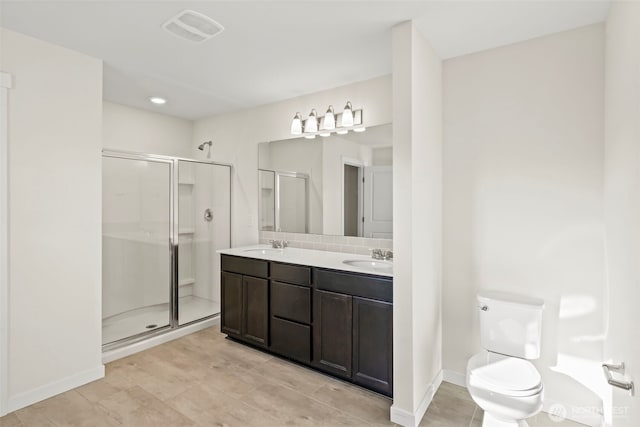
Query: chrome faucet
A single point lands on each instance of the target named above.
(279, 244)
(381, 254)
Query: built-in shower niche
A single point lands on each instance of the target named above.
(161, 216)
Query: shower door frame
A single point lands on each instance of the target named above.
(174, 239)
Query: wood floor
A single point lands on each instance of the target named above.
(206, 380)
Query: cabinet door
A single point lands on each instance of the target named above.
(332, 335)
(231, 295)
(255, 325)
(373, 344)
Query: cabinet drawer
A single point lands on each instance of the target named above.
(374, 287)
(291, 273)
(291, 339)
(247, 266)
(291, 302)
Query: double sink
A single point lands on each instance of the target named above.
(366, 264)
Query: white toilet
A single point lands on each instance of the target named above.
(501, 379)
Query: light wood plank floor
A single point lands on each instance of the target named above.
(206, 380)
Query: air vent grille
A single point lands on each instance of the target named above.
(193, 26)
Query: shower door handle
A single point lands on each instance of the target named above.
(208, 215)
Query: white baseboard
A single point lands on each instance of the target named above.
(454, 377)
(119, 353)
(49, 390)
(573, 413)
(408, 419)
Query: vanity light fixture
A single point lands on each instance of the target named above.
(328, 123)
(347, 115)
(296, 125)
(311, 124)
(329, 119)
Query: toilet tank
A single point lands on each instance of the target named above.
(510, 324)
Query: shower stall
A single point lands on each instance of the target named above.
(163, 220)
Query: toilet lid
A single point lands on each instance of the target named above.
(504, 373)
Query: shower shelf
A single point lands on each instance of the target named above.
(187, 231)
(186, 183)
(186, 282)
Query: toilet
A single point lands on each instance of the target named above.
(501, 379)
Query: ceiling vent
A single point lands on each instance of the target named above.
(193, 26)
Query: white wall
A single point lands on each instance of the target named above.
(523, 200)
(235, 137)
(622, 203)
(132, 129)
(55, 120)
(417, 226)
(382, 156)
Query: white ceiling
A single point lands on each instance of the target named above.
(273, 50)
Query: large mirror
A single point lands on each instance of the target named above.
(337, 185)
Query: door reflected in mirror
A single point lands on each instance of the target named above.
(338, 185)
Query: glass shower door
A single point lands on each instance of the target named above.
(204, 215)
(136, 231)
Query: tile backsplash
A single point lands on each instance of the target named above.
(349, 245)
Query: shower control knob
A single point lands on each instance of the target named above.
(484, 308)
(208, 215)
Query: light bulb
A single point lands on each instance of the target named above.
(329, 119)
(311, 125)
(310, 136)
(342, 132)
(360, 129)
(325, 134)
(296, 125)
(347, 115)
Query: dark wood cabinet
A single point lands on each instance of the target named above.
(231, 296)
(291, 339)
(335, 321)
(255, 317)
(291, 302)
(291, 311)
(373, 344)
(245, 300)
(332, 332)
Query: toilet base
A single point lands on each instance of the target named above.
(491, 421)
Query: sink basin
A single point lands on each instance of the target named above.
(374, 265)
(264, 251)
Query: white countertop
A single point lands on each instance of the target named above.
(313, 258)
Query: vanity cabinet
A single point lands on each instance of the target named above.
(336, 321)
(291, 311)
(353, 328)
(333, 330)
(373, 344)
(244, 290)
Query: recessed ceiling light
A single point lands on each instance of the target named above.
(157, 100)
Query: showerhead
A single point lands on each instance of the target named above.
(201, 146)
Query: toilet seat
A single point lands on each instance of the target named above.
(510, 376)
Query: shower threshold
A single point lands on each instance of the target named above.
(144, 320)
